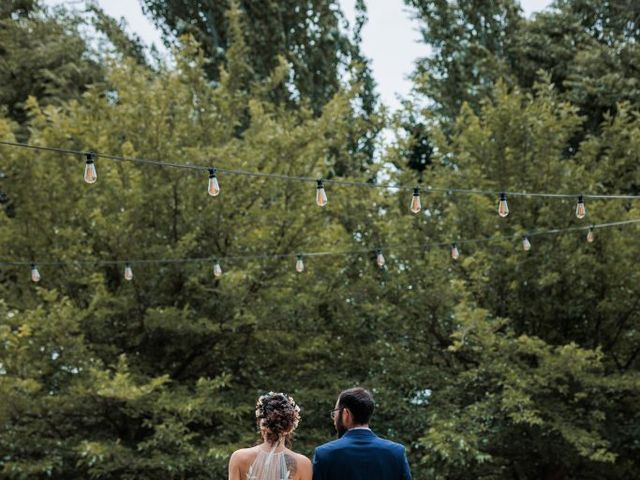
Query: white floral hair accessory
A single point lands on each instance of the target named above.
(261, 403)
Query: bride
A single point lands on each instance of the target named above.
(277, 416)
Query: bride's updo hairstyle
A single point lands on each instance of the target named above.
(277, 415)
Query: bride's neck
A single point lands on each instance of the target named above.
(267, 445)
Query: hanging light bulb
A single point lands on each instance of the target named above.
(217, 269)
(128, 272)
(214, 186)
(416, 206)
(300, 264)
(591, 236)
(581, 210)
(90, 173)
(380, 259)
(321, 195)
(455, 253)
(526, 244)
(35, 274)
(503, 208)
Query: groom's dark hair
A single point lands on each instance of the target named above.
(359, 401)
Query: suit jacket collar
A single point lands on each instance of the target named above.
(359, 433)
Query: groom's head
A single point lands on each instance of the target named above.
(353, 409)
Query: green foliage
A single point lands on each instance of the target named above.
(588, 48)
(542, 381)
(157, 378)
(504, 364)
(42, 55)
(311, 38)
(540, 377)
(526, 406)
(472, 44)
(113, 30)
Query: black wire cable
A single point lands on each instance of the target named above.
(346, 183)
(266, 256)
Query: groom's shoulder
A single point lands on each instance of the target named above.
(343, 443)
(332, 445)
(390, 444)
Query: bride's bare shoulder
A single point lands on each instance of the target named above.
(243, 457)
(301, 459)
(299, 465)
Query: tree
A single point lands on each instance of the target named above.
(502, 364)
(44, 55)
(313, 39)
(102, 378)
(587, 47)
(41, 55)
(528, 360)
(473, 47)
(508, 412)
(309, 35)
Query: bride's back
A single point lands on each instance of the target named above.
(277, 416)
(262, 463)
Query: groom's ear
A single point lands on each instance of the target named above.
(349, 415)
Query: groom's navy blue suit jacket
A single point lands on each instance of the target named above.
(360, 455)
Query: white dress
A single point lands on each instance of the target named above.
(269, 466)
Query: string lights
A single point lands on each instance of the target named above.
(90, 176)
(217, 269)
(128, 272)
(380, 259)
(90, 173)
(416, 206)
(321, 195)
(214, 186)
(35, 274)
(581, 210)
(503, 208)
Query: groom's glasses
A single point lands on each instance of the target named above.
(334, 413)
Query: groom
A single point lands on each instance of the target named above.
(358, 454)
